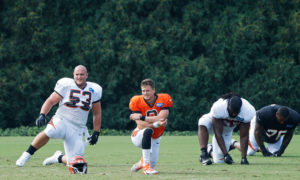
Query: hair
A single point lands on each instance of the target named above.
(283, 112)
(228, 95)
(234, 101)
(148, 82)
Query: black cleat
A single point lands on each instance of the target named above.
(205, 160)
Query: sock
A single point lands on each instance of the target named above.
(146, 141)
(146, 156)
(60, 158)
(31, 150)
(204, 150)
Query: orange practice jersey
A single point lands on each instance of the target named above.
(163, 101)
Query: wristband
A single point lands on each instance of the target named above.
(156, 125)
(143, 118)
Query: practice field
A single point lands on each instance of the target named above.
(113, 156)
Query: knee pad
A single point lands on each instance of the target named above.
(146, 141)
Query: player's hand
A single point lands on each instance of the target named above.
(228, 159)
(278, 153)
(41, 120)
(94, 138)
(266, 153)
(244, 161)
(163, 122)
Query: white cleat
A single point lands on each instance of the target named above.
(136, 167)
(148, 170)
(52, 159)
(23, 159)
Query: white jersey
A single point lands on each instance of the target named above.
(219, 111)
(76, 103)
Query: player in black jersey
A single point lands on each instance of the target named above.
(273, 124)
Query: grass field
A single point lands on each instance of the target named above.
(113, 156)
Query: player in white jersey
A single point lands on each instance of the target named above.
(76, 97)
(223, 117)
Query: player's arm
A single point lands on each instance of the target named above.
(162, 115)
(218, 130)
(53, 99)
(97, 116)
(143, 124)
(258, 133)
(244, 137)
(286, 141)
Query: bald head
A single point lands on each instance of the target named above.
(81, 67)
(80, 75)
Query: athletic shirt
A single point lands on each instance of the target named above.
(266, 117)
(76, 103)
(163, 101)
(219, 111)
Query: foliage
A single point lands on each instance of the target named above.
(194, 50)
(33, 131)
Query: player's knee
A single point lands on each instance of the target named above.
(146, 141)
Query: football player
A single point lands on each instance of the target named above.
(150, 112)
(76, 97)
(273, 124)
(227, 112)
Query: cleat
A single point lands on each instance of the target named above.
(137, 166)
(23, 159)
(148, 170)
(231, 147)
(205, 160)
(53, 159)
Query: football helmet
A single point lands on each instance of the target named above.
(77, 165)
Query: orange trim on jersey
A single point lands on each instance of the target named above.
(250, 145)
(134, 133)
(51, 123)
(163, 101)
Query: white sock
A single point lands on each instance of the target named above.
(146, 156)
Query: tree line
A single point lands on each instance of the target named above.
(194, 50)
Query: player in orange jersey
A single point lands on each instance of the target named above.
(150, 112)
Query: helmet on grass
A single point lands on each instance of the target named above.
(77, 165)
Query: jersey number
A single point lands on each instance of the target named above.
(74, 99)
(152, 112)
(275, 132)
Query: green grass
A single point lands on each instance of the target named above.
(113, 156)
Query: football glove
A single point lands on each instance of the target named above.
(228, 159)
(41, 120)
(278, 153)
(266, 153)
(94, 138)
(244, 161)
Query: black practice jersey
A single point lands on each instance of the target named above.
(266, 117)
